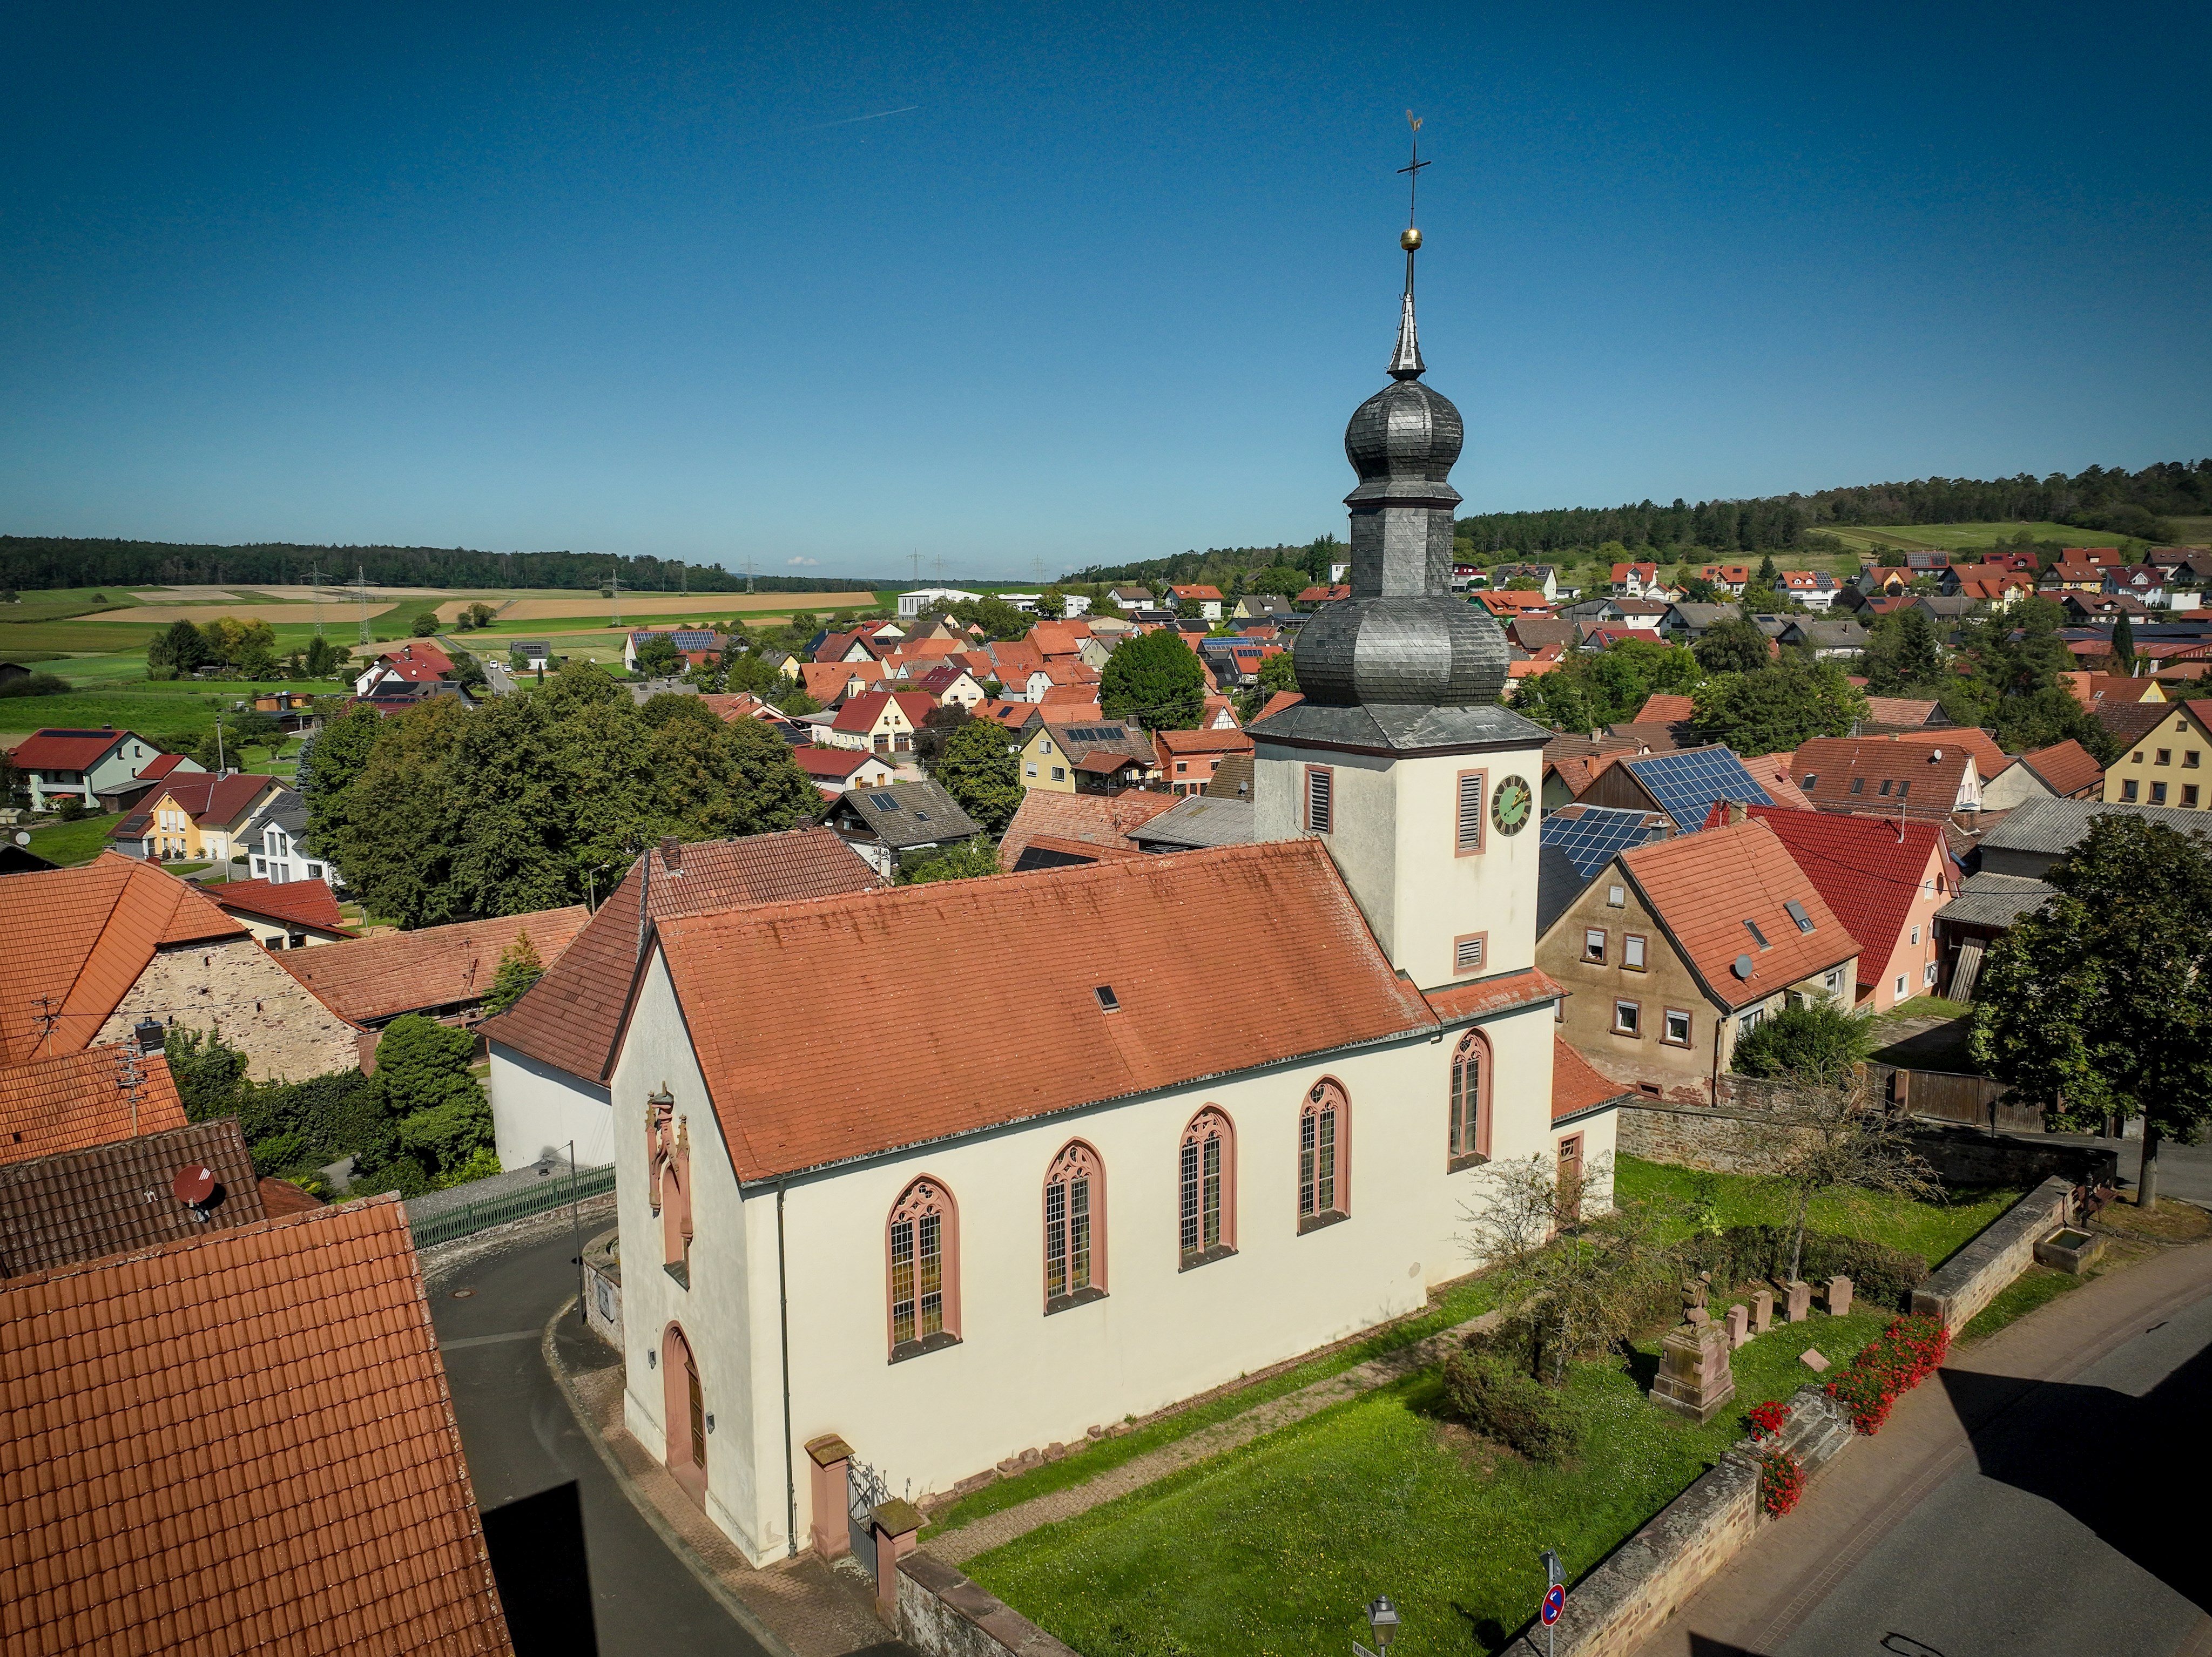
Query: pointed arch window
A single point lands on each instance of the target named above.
(1470, 1102)
(923, 1246)
(1074, 1228)
(1324, 1133)
(1206, 1178)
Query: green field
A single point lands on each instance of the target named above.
(1874, 539)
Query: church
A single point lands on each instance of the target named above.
(956, 1170)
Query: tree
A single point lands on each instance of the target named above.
(2124, 645)
(1278, 673)
(965, 861)
(1555, 699)
(323, 660)
(658, 658)
(1735, 646)
(2096, 1006)
(468, 672)
(480, 615)
(998, 618)
(1284, 580)
(1904, 656)
(979, 769)
(938, 724)
(749, 673)
(1814, 1040)
(1155, 679)
(1768, 574)
(520, 966)
(425, 625)
(182, 648)
(423, 1077)
(255, 729)
(1835, 1137)
(1777, 708)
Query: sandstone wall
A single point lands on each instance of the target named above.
(234, 986)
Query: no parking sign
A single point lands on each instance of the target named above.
(1555, 1601)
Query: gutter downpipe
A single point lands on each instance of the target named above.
(783, 1317)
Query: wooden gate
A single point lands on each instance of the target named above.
(1974, 1101)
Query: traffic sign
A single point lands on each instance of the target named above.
(1555, 1601)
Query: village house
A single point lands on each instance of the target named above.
(694, 645)
(97, 767)
(1076, 828)
(441, 972)
(123, 943)
(1679, 949)
(1263, 606)
(417, 662)
(1322, 593)
(879, 721)
(275, 847)
(1815, 589)
(79, 1203)
(949, 686)
(833, 770)
(901, 824)
(1189, 759)
(1636, 581)
(1199, 822)
(76, 1100)
(2166, 765)
(290, 916)
(2064, 770)
(1196, 598)
(195, 817)
(552, 1051)
(1729, 577)
(1052, 753)
(1128, 599)
(1682, 784)
(1923, 779)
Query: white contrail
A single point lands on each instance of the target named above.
(850, 119)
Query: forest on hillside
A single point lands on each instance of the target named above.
(37, 561)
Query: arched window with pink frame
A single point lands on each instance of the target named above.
(922, 1248)
(1470, 1101)
(1074, 1228)
(1324, 1139)
(1206, 1178)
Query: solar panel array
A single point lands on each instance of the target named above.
(1687, 784)
(1594, 835)
(1094, 733)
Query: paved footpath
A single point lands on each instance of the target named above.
(2041, 1498)
(995, 1530)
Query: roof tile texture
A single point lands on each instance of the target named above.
(50, 750)
(1704, 887)
(76, 1100)
(788, 1096)
(306, 900)
(1868, 869)
(571, 1017)
(242, 1441)
(1575, 1084)
(1825, 768)
(368, 978)
(1491, 995)
(2066, 767)
(107, 1199)
(1096, 819)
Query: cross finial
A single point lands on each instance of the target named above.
(1406, 361)
(1413, 180)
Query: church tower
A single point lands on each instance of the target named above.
(1400, 758)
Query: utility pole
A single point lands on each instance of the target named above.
(749, 572)
(360, 586)
(917, 568)
(315, 581)
(616, 589)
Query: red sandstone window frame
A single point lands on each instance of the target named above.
(1462, 846)
(1467, 1129)
(1636, 1008)
(1666, 1018)
(1635, 943)
(1194, 1246)
(1604, 937)
(925, 1196)
(1461, 964)
(1324, 1156)
(1081, 1242)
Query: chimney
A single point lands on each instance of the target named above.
(672, 854)
(1737, 813)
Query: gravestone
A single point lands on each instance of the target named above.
(1799, 1305)
(1840, 1296)
(1762, 1311)
(1738, 1326)
(1694, 1378)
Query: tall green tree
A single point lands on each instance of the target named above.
(1735, 646)
(2124, 645)
(181, 647)
(1776, 707)
(979, 769)
(520, 966)
(1155, 679)
(324, 659)
(1278, 673)
(2097, 1004)
(1905, 656)
(423, 1074)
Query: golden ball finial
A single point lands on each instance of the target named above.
(1409, 239)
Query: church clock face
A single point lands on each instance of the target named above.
(1511, 805)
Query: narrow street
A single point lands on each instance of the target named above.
(614, 1589)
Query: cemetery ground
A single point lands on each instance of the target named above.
(1273, 1546)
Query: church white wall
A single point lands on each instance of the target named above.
(737, 1361)
(536, 1109)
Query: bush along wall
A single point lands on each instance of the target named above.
(1889, 1366)
(1752, 1253)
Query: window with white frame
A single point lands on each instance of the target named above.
(1632, 952)
(1627, 1018)
(1594, 946)
(1675, 1032)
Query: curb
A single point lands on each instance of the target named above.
(745, 1616)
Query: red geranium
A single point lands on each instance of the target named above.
(1892, 1363)
(1768, 1418)
(1781, 1481)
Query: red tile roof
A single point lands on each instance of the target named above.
(838, 763)
(201, 1453)
(280, 1197)
(2067, 768)
(1087, 850)
(64, 749)
(1930, 772)
(305, 900)
(160, 767)
(369, 979)
(1704, 887)
(1868, 869)
(417, 650)
(1310, 979)
(1276, 703)
(1325, 595)
(736, 705)
(1576, 1085)
(105, 1198)
(79, 938)
(1771, 773)
(1906, 713)
(76, 1100)
(571, 1017)
(1989, 758)
(1183, 744)
(1460, 1003)
(1092, 819)
(1201, 592)
(1663, 709)
(860, 713)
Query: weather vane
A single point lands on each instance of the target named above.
(1412, 238)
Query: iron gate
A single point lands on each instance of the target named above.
(865, 1489)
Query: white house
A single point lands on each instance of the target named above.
(911, 605)
(274, 843)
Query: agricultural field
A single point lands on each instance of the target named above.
(1903, 537)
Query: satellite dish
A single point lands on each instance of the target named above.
(1742, 968)
(22, 837)
(193, 1185)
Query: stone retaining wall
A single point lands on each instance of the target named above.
(943, 1614)
(1971, 1278)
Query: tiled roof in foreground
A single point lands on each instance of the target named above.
(368, 979)
(102, 1200)
(789, 1096)
(77, 1100)
(240, 1443)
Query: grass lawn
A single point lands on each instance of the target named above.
(1273, 1548)
(1931, 1230)
(2032, 1288)
(175, 708)
(81, 841)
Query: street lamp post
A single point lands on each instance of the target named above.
(1382, 1619)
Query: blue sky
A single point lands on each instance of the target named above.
(635, 281)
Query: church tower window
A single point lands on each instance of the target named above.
(924, 1246)
(1470, 1102)
(1074, 1228)
(1207, 1181)
(1324, 1133)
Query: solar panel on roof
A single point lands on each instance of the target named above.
(883, 801)
(1592, 836)
(1684, 785)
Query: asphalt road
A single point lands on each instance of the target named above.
(2077, 1529)
(2183, 1171)
(539, 1481)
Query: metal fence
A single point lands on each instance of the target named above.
(466, 1218)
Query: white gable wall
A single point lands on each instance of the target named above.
(537, 1108)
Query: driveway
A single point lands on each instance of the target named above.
(574, 1559)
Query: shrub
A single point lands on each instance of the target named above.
(482, 1165)
(1890, 1365)
(1768, 1418)
(1750, 1254)
(35, 684)
(72, 809)
(1781, 1481)
(1501, 1400)
(1816, 1042)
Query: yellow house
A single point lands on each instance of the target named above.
(195, 817)
(2168, 764)
(1052, 758)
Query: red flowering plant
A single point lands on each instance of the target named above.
(1781, 1481)
(1768, 1418)
(1892, 1365)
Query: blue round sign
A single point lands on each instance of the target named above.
(1554, 1603)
